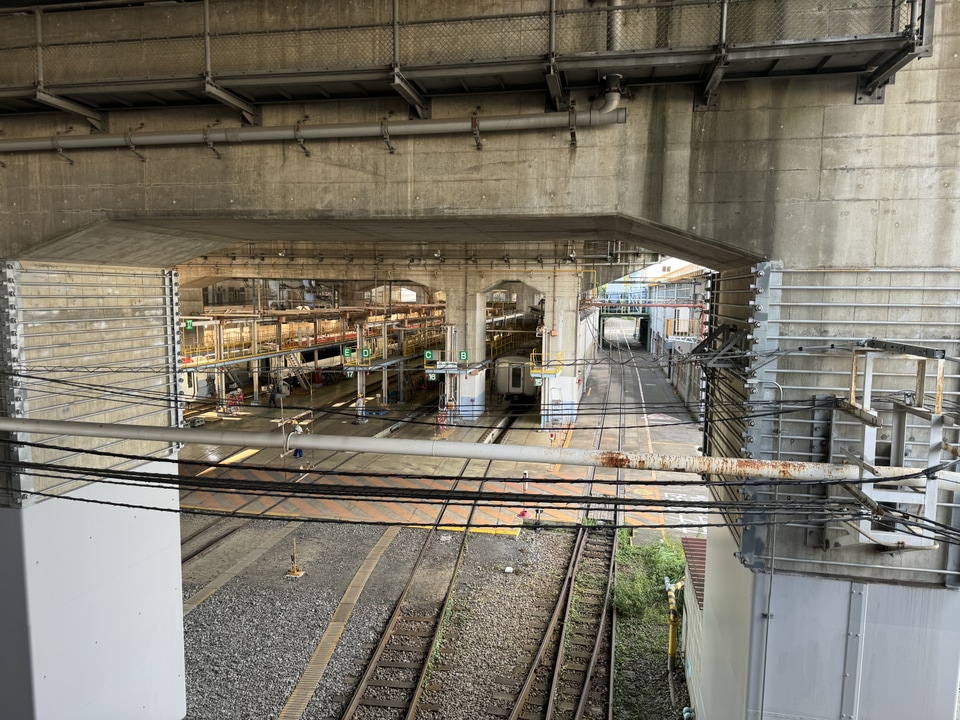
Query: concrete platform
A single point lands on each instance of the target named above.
(669, 431)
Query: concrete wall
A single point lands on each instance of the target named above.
(92, 620)
(792, 169)
(784, 168)
(727, 601)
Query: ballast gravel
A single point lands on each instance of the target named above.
(247, 645)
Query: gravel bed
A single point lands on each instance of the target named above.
(247, 644)
(488, 627)
(363, 629)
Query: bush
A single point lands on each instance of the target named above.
(640, 572)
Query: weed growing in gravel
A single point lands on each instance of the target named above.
(641, 688)
(640, 573)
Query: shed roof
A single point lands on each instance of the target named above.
(695, 550)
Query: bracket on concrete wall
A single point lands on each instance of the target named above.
(475, 129)
(573, 124)
(707, 95)
(554, 84)
(92, 116)
(133, 148)
(409, 92)
(868, 94)
(299, 136)
(249, 111)
(385, 133)
(209, 142)
(56, 146)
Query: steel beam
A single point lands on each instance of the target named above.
(408, 92)
(249, 111)
(92, 116)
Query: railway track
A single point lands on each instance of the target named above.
(209, 536)
(568, 674)
(395, 677)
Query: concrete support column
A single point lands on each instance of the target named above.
(467, 312)
(561, 386)
(91, 610)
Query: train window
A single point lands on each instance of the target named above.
(516, 377)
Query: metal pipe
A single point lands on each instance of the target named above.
(700, 465)
(611, 94)
(505, 123)
(396, 33)
(552, 48)
(38, 25)
(207, 61)
(614, 26)
(860, 566)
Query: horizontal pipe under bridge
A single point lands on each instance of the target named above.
(699, 465)
(296, 133)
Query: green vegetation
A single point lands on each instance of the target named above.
(642, 688)
(639, 592)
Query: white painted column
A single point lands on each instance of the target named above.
(92, 606)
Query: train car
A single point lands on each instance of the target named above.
(513, 379)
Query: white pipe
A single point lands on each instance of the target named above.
(611, 97)
(505, 123)
(700, 465)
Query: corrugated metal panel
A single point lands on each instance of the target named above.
(732, 323)
(95, 344)
(815, 321)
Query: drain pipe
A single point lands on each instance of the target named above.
(609, 114)
(611, 93)
(697, 464)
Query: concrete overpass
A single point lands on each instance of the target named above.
(149, 148)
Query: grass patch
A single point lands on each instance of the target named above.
(639, 592)
(642, 686)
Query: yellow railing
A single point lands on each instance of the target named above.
(550, 364)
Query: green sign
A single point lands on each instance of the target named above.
(188, 324)
(349, 373)
(365, 352)
(537, 382)
(462, 356)
(432, 377)
(428, 354)
(348, 352)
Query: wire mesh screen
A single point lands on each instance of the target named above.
(18, 50)
(753, 21)
(647, 27)
(474, 39)
(96, 348)
(313, 49)
(18, 66)
(130, 59)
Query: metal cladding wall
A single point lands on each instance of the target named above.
(93, 605)
(798, 646)
(791, 338)
(96, 344)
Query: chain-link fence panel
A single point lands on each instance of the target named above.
(18, 50)
(638, 27)
(458, 41)
(131, 59)
(18, 67)
(765, 21)
(298, 50)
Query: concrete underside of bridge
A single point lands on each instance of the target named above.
(844, 216)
